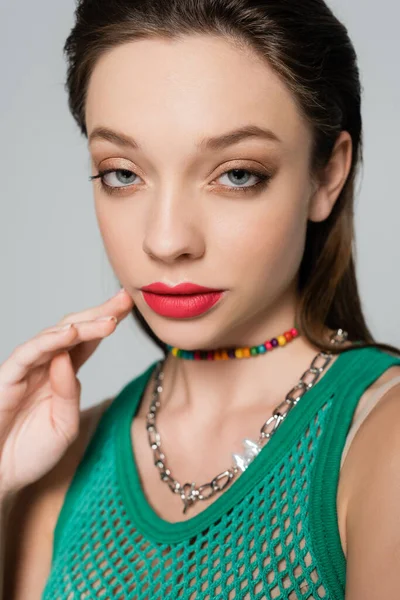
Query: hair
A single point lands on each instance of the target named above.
(309, 48)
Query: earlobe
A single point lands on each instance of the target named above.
(333, 179)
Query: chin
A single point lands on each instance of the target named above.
(187, 334)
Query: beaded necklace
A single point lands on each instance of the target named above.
(245, 352)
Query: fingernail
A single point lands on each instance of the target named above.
(107, 319)
(121, 291)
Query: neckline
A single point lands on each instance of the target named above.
(140, 511)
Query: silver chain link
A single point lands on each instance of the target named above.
(188, 492)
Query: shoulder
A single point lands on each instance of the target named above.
(372, 523)
(33, 516)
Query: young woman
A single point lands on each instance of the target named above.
(260, 458)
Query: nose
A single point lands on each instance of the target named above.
(173, 228)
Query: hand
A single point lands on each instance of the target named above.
(40, 393)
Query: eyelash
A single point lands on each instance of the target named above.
(110, 190)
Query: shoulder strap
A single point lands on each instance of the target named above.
(367, 365)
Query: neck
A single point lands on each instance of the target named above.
(213, 389)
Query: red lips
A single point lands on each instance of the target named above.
(185, 300)
(181, 289)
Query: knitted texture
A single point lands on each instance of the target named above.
(273, 534)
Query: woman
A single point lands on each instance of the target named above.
(225, 138)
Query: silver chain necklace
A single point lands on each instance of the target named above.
(188, 492)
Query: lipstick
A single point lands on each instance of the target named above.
(185, 300)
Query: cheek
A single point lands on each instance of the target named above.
(120, 232)
(266, 240)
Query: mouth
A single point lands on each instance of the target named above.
(181, 306)
(182, 289)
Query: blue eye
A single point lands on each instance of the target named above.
(238, 173)
(122, 175)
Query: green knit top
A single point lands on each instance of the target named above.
(273, 533)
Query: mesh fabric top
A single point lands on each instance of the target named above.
(272, 533)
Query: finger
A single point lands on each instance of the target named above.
(90, 334)
(81, 352)
(42, 347)
(87, 332)
(64, 410)
(39, 349)
(26, 356)
(119, 305)
(62, 377)
(83, 326)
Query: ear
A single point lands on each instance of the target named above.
(332, 179)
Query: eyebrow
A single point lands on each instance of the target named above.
(218, 142)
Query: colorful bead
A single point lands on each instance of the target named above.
(245, 352)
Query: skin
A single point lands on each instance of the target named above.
(180, 223)
(174, 219)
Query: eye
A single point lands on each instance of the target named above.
(243, 174)
(123, 176)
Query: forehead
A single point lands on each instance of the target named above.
(188, 88)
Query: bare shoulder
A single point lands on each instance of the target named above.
(33, 516)
(355, 456)
(377, 431)
(373, 497)
(388, 375)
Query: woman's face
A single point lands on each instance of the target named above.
(179, 211)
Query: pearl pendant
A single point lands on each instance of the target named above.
(251, 449)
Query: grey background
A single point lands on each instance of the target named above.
(52, 258)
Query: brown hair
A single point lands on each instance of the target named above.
(311, 51)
